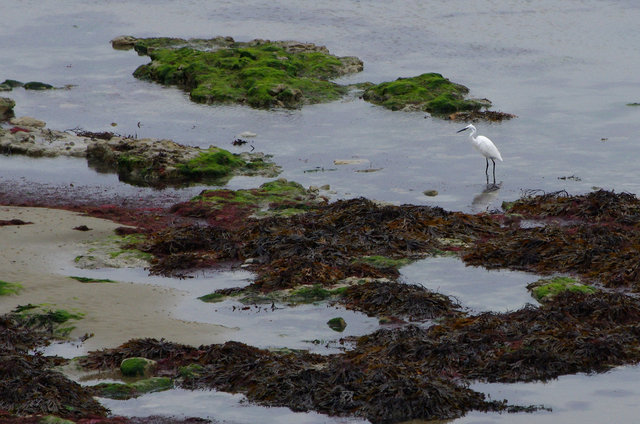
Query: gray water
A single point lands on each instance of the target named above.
(567, 69)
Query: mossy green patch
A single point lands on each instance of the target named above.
(131, 390)
(114, 252)
(136, 367)
(377, 261)
(430, 92)
(545, 289)
(259, 74)
(41, 316)
(212, 297)
(296, 296)
(91, 280)
(7, 288)
(191, 371)
(211, 163)
(52, 419)
(279, 197)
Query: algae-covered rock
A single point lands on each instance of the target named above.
(274, 198)
(37, 85)
(152, 162)
(429, 92)
(132, 390)
(137, 367)
(9, 84)
(337, 324)
(545, 289)
(6, 108)
(259, 73)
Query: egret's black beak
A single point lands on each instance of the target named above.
(464, 129)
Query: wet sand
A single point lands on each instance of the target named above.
(34, 255)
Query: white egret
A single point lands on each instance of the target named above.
(486, 149)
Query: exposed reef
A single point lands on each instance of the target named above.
(427, 92)
(142, 162)
(289, 74)
(259, 73)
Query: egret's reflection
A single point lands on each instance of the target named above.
(484, 199)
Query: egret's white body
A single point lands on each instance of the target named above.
(486, 149)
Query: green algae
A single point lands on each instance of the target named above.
(378, 261)
(191, 371)
(92, 280)
(52, 419)
(289, 74)
(545, 289)
(7, 288)
(296, 296)
(41, 316)
(136, 367)
(314, 293)
(430, 92)
(212, 163)
(274, 198)
(115, 251)
(212, 297)
(132, 390)
(258, 74)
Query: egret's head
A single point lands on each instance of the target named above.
(468, 127)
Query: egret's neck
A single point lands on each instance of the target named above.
(472, 136)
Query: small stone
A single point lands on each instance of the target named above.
(337, 324)
(430, 193)
(247, 134)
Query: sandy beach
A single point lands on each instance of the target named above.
(115, 313)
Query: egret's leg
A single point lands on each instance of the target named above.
(486, 170)
(494, 170)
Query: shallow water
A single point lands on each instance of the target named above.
(475, 288)
(567, 69)
(219, 407)
(574, 399)
(265, 325)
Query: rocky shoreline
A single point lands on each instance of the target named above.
(328, 247)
